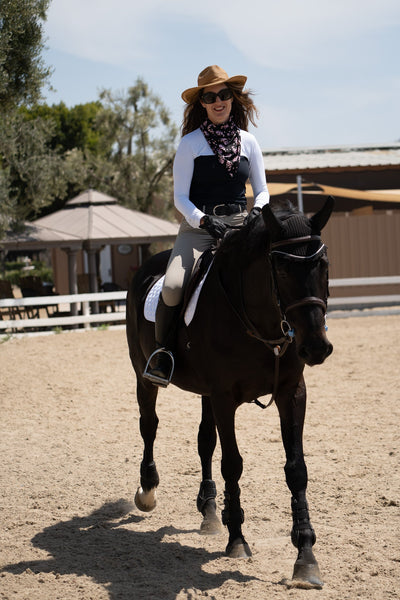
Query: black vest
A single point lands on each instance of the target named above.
(211, 184)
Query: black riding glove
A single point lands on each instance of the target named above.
(215, 227)
(255, 211)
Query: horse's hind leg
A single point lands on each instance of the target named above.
(292, 413)
(206, 441)
(145, 498)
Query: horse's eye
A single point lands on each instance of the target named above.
(281, 272)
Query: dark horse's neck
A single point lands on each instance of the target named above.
(244, 271)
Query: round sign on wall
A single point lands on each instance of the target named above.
(124, 248)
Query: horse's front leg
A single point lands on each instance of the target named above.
(145, 498)
(206, 441)
(292, 413)
(231, 469)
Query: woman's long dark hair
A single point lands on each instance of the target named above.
(243, 110)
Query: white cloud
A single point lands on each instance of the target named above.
(100, 30)
(279, 34)
(322, 69)
(292, 33)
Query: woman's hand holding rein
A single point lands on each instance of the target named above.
(214, 226)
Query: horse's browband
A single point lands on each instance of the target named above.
(298, 240)
(301, 258)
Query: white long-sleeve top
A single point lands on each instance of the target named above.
(194, 145)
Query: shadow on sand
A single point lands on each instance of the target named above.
(129, 564)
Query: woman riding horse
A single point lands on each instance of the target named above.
(215, 158)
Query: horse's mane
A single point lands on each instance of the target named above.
(251, 240)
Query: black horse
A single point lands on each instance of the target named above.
(260, 318)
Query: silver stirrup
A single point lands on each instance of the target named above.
(154, 378)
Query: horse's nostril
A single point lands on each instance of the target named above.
(315, 356)
(303, 352)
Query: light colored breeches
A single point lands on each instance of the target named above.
(189, 245)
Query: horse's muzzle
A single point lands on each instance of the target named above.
(315, 353)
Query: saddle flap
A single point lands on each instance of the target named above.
(200, 269)
(192, 291)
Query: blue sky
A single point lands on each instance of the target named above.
(323, 72)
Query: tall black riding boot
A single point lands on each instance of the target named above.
(160, 367)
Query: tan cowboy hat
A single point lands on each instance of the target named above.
(211, 76)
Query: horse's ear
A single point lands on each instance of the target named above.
(320, 219)
(272, 223)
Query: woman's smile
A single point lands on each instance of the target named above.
(219, 111)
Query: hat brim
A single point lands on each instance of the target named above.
(189, 95)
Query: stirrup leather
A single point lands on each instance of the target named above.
(154, 378)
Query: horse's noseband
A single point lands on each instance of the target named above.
(298, 258)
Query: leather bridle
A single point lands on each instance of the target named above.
(295, 257)
(279, 346)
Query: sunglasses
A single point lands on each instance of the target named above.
(211, 97)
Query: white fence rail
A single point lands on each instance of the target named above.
(356, 281)
(58, 320)
(87, 318)
(364, 302)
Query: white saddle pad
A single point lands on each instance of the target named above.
(151, 302)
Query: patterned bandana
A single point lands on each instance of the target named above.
(224, 141)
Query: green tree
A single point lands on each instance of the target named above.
(22, 70)
(75, 137)
(31, 172)
(7, 205)
(137, 127)
(23, 153)
(49, 153)
(74, 128)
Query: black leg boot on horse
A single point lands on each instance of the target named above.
(160, 366)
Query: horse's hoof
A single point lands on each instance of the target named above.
(306, 576)
(238, 549)
(211, 525)
(145, 501)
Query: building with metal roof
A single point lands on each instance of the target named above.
(337, 157)
(343, 171)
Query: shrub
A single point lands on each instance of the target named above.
(13, 271)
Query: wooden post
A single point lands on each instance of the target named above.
(72, 277)
(91, 252)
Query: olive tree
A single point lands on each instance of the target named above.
(138, 128)
(22, 70)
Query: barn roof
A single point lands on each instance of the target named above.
(338, 157)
